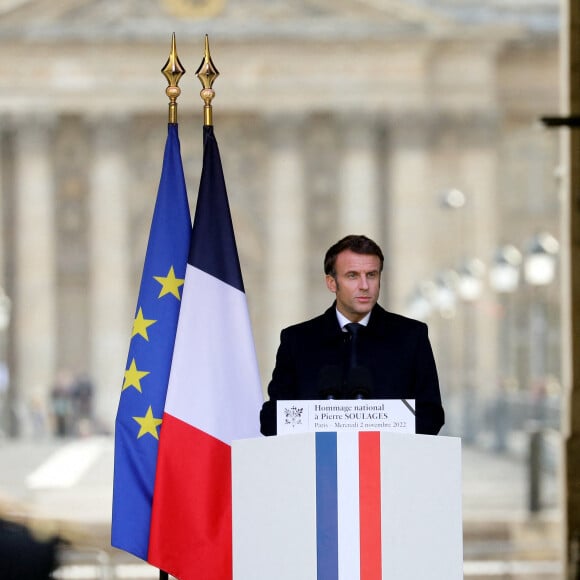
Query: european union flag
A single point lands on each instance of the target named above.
(142, 400)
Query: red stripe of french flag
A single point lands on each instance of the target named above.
(359, 506)
(370, 505)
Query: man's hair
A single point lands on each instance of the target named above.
(354, 243)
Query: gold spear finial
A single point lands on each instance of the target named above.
(207, 73)
(173, 71)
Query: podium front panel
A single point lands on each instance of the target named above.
(274, 508)
(347, 506)
(421, 507)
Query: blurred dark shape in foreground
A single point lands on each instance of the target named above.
(22, 556)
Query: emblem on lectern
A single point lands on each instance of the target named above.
(293, 415)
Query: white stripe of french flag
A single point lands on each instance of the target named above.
(348, 507)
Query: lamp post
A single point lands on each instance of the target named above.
(445, 302)
(539, 272)
(5, 411)
(469, 289)
(504, 278)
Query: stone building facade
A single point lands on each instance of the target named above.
(333, 116)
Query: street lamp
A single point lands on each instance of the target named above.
(540, 264)
(420, 302)
(504, 275)
(445, 302)
(504, 278)
(539, 271)
(453, 198)
(5, 309)
(445, 294)
(470, 288)
(470, 279)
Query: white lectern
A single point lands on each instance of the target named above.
(347, 506)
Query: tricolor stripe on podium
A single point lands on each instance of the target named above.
(348, 506)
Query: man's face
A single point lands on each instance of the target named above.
(356, 285)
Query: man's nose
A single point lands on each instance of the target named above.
(364, 283)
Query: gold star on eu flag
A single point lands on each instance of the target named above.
(148, 424)
(141, 324)
(169, 284)
(133, 377)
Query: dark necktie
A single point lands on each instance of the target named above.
(353, 328)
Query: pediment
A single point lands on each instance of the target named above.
(91, 18)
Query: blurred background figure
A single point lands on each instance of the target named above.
(61, 403)
(23, 556)
(4, 381)
(37, 415)
(82, 405)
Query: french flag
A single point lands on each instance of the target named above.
(213, 397)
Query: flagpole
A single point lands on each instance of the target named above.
(207, 73)
(172, 71)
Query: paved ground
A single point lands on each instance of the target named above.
(67, 486)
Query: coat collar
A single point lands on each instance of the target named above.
(375, 326)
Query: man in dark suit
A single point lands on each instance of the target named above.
(383, 356)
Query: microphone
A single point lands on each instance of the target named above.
(329, 380)
(359, 383)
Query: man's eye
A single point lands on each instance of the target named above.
(351, 275)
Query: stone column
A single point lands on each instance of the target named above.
(36, 286)
(359, 209)
(286, 264)
(410, 244)
(477, 172)
(110, 305)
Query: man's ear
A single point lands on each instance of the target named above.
(331, 283)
